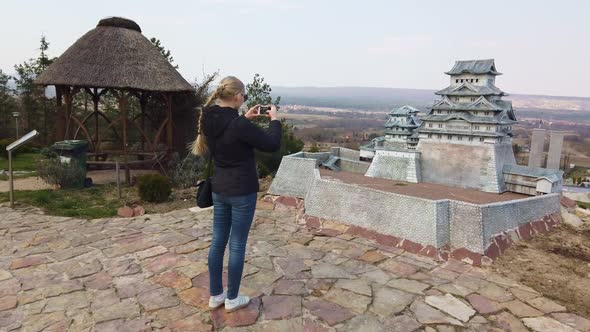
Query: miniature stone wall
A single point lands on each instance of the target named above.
(395, 165)
(436, 223)
(420, 220)
(469, 166)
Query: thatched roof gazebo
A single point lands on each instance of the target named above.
(114, 57)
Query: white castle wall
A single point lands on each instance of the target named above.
(395, 165)
(464, 165)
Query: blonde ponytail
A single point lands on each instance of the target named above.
(227, 88)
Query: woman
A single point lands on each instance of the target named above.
(231, 139)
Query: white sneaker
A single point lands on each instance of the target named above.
(237, 303)
(217, 301)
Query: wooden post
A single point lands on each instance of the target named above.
(122, 104)
(59, 115)
(95, 100)
(169, 124)
(143, 103)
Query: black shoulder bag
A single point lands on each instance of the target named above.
(204, 193)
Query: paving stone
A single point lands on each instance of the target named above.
(122, 268)
(4, 275)
(311, 326)
(193, 269)
(242, 317)
(129, 286)
(100, 280)
(520, 309)
(426, 314)
(327, 270)
(125, 309)
(546, 305)
(523, 295)
(138, 324)
(191, 323)
(388, 301)
(8, 302)
(54, 290)
(454, 289)
(496, 293)
(358, 286)
(173, 279)
(357, 267)
(379, 276)
(104, 298)
(85, 270)
(575, 321)
(329, 312)
(165, 262)
(11, 319)
(362, 323)
(202, 280)
(158, 299)
(262, 281)
(28, 261)
(281, 307)
(483, 305)
(401, 323)
(398, 268)
(196, 297)
(291, 268)
(151, 252)
(74, 300)
(428, 278)
(372, 257)
(508, 322)
(543, 324)
(291, 325)
(290, 287)
(191, 246)
(410, 286)
(355, 302)
(9, 287)
(262, 262)
(452, 306)
(42, 321)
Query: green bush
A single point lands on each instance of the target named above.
(187, 172)
(154, 188)
(64, 175)
(263, 171)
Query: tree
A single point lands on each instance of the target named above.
(7, 106)
(166, 53)
(314, 148)
(259, 93)
(36, 108)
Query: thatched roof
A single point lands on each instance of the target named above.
(114, 55)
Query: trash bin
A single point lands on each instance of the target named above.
(73, 151)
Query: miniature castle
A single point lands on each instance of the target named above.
(464, 140)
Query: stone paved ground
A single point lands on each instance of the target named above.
(149, 273)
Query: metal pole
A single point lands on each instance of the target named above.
(16, 118)
(10, 179)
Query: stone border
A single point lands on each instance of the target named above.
(498, 244)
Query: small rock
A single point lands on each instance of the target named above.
(125, 212)
(138, 211)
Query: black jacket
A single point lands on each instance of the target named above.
(232, 139)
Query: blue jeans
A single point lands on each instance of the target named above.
(232, 218)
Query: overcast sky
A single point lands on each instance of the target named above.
(542, 47)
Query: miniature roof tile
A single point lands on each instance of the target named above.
(552, 175)
(404, 110)
(476, 67)
(467, 89)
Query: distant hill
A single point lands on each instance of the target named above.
(364, 98)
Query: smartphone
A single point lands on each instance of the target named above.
(263, 109)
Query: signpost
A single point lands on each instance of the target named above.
(16, 115)
(13, 146)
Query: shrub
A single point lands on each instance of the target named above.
(154, 188)
(188, 171)
(63, 175)
(263, 171)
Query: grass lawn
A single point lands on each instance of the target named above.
(100, 201)
(21, 162)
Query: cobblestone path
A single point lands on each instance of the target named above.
(149, 273)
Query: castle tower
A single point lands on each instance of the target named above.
(466, 138)
(400, 128)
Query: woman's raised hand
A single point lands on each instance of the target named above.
(252, 112)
